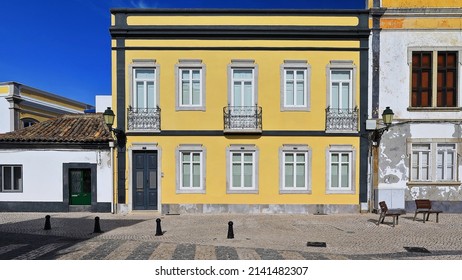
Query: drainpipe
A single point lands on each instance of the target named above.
(114, 189)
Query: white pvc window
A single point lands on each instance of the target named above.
(295, 171)
(190, 85)
(242, 87)
(243, 170)
(191, 170)
(295, 94)
(144, 87)
(340, 170)
(341, 89)
(420, 162)
(446, 162)
(11, 178)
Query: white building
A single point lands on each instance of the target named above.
(63, 164)
(416, 71)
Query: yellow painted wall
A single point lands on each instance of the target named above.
(48, 99)
(269, 65)
(4, 89)
(268, 170)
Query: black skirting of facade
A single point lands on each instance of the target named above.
(13, 206)
(445, 206)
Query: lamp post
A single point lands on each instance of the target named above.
(109, 117)
(387, 117)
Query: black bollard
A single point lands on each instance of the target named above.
(158, 228)
(230, 230)
(47, 223)
(97, 228)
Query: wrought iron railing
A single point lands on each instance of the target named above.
(143, 118)
(242, 118)
(338, 119)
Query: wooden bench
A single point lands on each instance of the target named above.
(424, 206)
(385, 212)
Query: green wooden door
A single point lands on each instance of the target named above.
(80, 186)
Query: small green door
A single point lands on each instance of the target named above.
(80, 186)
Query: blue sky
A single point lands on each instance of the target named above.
(63, 46)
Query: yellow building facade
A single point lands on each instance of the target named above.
(240, 111)
(22, 106)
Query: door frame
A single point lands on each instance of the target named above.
(148, 147)
(94, 188)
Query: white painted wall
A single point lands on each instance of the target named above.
(43, 173)
(395, 70)
(4, 114)
(102, 102)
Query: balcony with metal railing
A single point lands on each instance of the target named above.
(341, 120)
(144, 119)
(242, 119)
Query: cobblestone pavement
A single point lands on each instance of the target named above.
(204, 237)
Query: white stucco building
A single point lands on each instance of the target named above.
(63, 164)
(416, 71)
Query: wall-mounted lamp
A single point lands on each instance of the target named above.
(109, 117)
(387, 117)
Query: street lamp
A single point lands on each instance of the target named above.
(387, 117)
(109, 117)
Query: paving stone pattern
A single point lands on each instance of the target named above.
(204, 237)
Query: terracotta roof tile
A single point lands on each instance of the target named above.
(71, 128)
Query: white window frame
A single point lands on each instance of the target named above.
(190, 148)
(242, 64)
(341, 65)
(341, 149)
(434, 148)
(144, 64)
(295, 149)
(13, 187)
(242, 149)
(295, 65)
(189, 65)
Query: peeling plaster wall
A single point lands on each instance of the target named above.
(394, 154)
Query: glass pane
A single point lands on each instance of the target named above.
(248, 98)
(289, 175)
(300, 175)
(186, 157)
(334, 157)
(196, 175)
(17, 178)
(237, 94)
(196, 93)
(345, 95)
(236, 176)
(334, 176)
(185, 93)
(144, 74)
(139, 179)
(151, 95)
(196, 74)
(242, 74)
(186, 175)
(236, 157)
(424, 159)
(76, 181)
(248, 177)
(300, 93)
(414, 175)
(289, 93)
(248, 157)
(289, 75)
(152, 179)
(196, 157)
(341, 75)
(335, 95)
(185, 74)
(345, 158)
(140, 101)
(300, 75)
(345, 176)
(424, 173)
(300, 157)
(289, 157)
